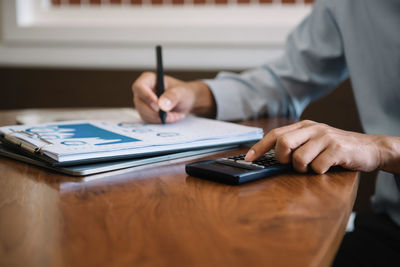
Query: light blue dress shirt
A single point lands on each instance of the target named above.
(340, 38)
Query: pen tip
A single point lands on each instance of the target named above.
(163, 116)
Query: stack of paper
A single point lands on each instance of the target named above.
(75, 141)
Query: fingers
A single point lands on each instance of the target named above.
(307, 153)
(319, 146)
(171, 98)
(143, 90)
(269, 141)
(147, 113)
(148, 104)
(174, 117)
(324, 161)
(287, 142)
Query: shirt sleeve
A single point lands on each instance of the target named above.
(313, 63)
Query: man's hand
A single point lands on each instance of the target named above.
(309, 144)
(179, 98)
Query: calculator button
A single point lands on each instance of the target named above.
(267, 160)
(240, 164)
(230, 159)
(244, 162)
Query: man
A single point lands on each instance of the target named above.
(340, 38)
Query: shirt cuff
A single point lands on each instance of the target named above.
(227, 95)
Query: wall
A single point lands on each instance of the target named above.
(123, 36)
(42, 87)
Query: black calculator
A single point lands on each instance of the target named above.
(235, 170)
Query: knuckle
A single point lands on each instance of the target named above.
(284, 142)
(321, 127)
(325, 127)
(138, 83)
(147, 73)
(334, 142)
(274, 133)
(338, 147)
(135, 86)
(329, 136)
(307, 123)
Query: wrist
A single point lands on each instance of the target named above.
(389, 151)
(204, 104)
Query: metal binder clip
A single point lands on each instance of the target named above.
(29, 146)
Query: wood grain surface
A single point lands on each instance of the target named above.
(156, 215)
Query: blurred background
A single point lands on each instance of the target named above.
(87, 53)
(61, 52)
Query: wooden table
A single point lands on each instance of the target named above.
(159, 216)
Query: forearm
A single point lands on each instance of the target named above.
(204, 104)
(389, 148)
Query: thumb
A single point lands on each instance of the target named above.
(171, 98)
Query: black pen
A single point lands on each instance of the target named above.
(160, 81)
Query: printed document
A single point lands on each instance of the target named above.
(91, 139)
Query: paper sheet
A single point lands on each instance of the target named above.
(78, 140)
